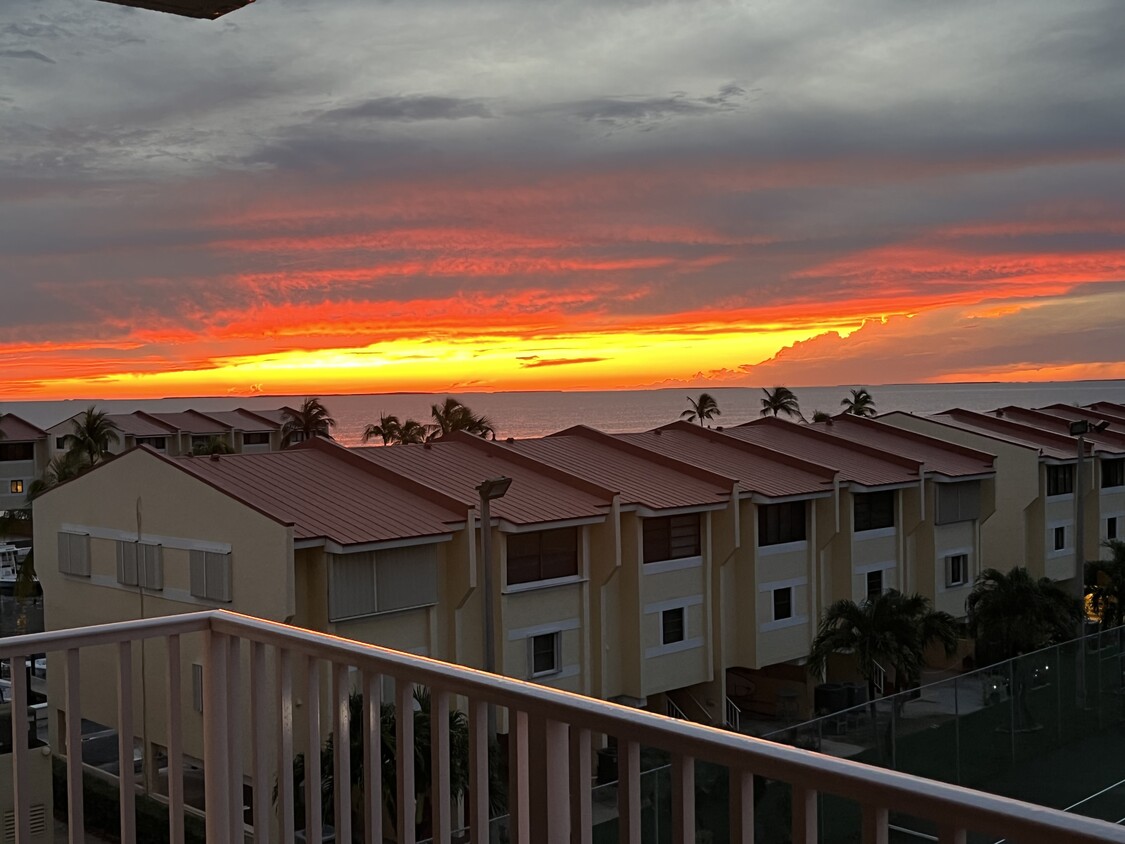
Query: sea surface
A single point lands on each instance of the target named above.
(532, 414)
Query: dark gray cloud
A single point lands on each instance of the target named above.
(410, 108)
(26, 54)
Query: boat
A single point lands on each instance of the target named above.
(11, 558)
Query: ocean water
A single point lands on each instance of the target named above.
(531, 414)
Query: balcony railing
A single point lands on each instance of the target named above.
(255, 671)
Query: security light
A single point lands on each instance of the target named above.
(494, 488)
(205, 9)
(1080, 427)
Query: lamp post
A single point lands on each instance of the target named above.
(1080, 428)
(489, 490)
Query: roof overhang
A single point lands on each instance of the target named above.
(953, 479)
(332, 547)
(762, 498)
(511, 527)
(203, 9)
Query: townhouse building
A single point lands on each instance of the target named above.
(174, 434)
(23, 458)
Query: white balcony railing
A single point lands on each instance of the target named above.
(255, 670)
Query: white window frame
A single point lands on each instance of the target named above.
(950, 583)
(556, 640)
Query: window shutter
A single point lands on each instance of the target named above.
(198, 562)
(65, 564)
(406, 577)
(218, 577)
(352, 586)
(152, 566)
(127, 562)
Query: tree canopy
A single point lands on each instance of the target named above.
(891, 629)
(453, 415)
(1015, 613)
(702, 409)
(1105, 586)
(93, 434)
(781, 401)
(859, 403)
(310, 420)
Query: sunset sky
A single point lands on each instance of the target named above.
(354, 196)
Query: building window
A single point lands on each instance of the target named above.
(211, 576)
(780, 523)
(60, 443)
(544, 654)
(958, 502)
(671, 537)
(1060, 538)
(16, 487)
(957, 570)
(874, 510)
(875, 583)
(74, 554)
(673, 626)
(13, 452)
(1113, 472)
(256, 438)
(140, 564)
(542, 555)
(782, 603)
(1111, 527)
(1060, 480)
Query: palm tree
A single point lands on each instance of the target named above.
(821, 416)
(705, 408)
(93, 434)
(1014, 613)
(62, 468)
(310, 420)
(891, 629)
(388, 428)
(413, 431)
(860, 403)
(781, 400)
(451, 415)
(1105, 587)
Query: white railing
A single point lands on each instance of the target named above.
(734, 716)
(547, 801)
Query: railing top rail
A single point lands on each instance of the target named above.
(105, 634)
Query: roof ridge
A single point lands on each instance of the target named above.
(967, 451)
(825, 437)
(757, 448)
(1014, 427)
(591, 433)
(560, 475)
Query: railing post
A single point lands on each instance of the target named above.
(215, 739)
(478, 770)
(234, 731)
(441, 797)
(342, 753)
(629, 792)
(175, 744)
(875, 828)
(804, 814)
(683, 798)
(519, 786)
(259, 740)
(404, 757)
(285, 745)
(372, 757)
(314, 821)
(127, 794)
(581, 777)
(75, 809)
(556, 762)
(21, 784)
(741, 807)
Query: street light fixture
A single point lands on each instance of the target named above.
(204, 9)
(489, 491)
(1080, 428)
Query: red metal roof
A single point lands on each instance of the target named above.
(1057, 420)
(758, 469)
(1048, 444)
(193, 422)
(243, 420)
(1111, 409)
(455, 466)
(16, 429)
(937, 455)
(857, 462)
(323, 496)
(641, 478)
